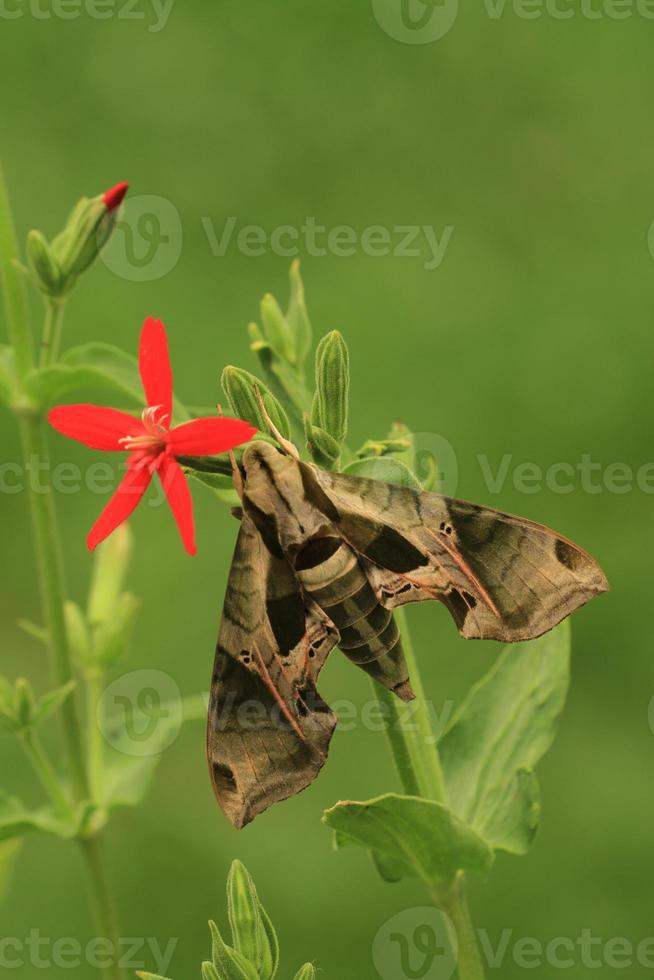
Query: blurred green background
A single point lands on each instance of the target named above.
(532, 138)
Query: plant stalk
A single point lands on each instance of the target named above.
(470, 966)
(13, 287)
(92, 849)
(52, 327)
(51, 580)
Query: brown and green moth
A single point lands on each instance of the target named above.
(321, 561)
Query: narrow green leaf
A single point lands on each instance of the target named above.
(297, 316)
(269, 961)
(387, 468)
(414, 837)
(39, 633)
(229, 963)
(49, 703)
(504, 727)
(276, 330)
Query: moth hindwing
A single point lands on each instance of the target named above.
(321, 560)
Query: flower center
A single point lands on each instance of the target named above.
(153, 440)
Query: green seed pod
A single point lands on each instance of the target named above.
(44, 267)
(209, 971)
(276, 329)
(330, 408)
(78, 634)
(240, 387)
(307, 972)
(324, 449)
(229, 963)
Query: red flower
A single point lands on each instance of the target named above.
(150, 441)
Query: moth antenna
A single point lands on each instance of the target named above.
(284, 443)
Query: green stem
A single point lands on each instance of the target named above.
(470, 966)
(51, 337)
(13, 287)
(92, 849)
(94, 737)
(51, 580)
(48, 777)
(423, 742)
(400, 750)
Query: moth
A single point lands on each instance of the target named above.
(321, 561)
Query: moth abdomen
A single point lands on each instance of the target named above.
(368, 633)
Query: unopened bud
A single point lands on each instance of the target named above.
(241, 389)
(330, 407)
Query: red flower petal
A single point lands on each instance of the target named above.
(114, 196)
(179, 497)
(126, 497)
(154, 365)
(206, 437)
(95, 426)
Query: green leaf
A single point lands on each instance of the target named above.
(16, 820)
(229, 963)
(410, 836)
(269, 961)
(221, 484)
(9, 850)
(127, 777)
(111, 638)
(504, 727)
(387, 468)
(276, 329)
(97, 366)
(7, 374)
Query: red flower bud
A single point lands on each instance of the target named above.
(113, 197)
